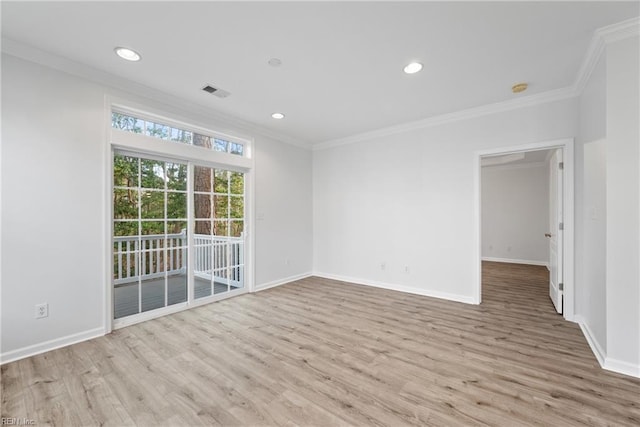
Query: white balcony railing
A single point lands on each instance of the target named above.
(148, 257)
(222, 257)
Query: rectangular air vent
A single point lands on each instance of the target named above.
(216, 91)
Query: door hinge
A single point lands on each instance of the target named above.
(561, 165)
(561, 226)
(561, 286)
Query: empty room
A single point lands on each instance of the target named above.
(320, 213)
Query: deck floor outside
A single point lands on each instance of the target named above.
(319, 352)
(126, 297)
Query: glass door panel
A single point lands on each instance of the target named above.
(150, 234)
(218, 231)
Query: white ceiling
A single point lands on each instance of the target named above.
(342, 62)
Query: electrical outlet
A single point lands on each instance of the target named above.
(42, 310)
(406, 269)
(287, 261)
(383, 266)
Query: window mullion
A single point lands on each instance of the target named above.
(229, 245)
(190, 235)
(166, 237)
(140, 248)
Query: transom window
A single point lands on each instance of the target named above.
(129, 123)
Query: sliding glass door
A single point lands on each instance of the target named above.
(164, 213)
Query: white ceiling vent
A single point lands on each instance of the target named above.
(220, 93)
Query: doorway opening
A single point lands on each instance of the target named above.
(525, 216)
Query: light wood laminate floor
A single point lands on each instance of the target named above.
(321, 352)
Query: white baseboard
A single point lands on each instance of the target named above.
(43, 347)
(279, 282)
(596, 348)
(622, 367)
(393, 287)
(608, 363)
(516, 261)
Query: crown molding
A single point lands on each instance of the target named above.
(589, 63)
(120, 84)
(620, 30)
(601, 38)
(471, 113)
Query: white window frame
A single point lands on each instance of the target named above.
(144, 145)
(138, 114)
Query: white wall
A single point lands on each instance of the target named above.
(608, 209)
(54, 157)
(408, 200)
(53, 178)
(590, 243)
(515, 213)
(594, 227)
(623, 205)
(283, 213)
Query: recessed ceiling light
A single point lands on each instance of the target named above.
(277, 116)
(413, 68)
(520, 87)
(128, 54)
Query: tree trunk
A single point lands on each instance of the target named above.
(203, 181)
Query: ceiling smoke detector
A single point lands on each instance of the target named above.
(220, 93)
(520, 87)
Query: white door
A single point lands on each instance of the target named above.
(556, 227)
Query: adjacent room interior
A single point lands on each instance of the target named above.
(320, 213)
(516, 220)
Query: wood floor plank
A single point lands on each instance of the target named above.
(12, 390)
(320, 352)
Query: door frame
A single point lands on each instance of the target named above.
(555, 233)
(567, 145)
